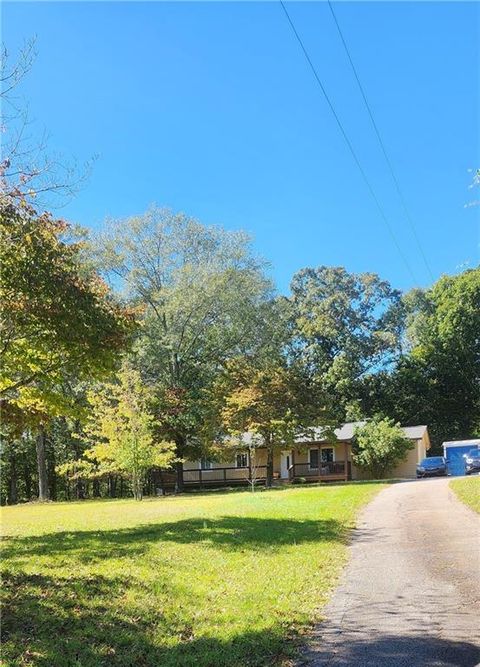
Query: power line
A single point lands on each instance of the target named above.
(349, 144)
(382, 145)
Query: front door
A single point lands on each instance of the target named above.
(285, 460)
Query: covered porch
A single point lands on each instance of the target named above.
(316, 462)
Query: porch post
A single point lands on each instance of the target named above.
(293, 466)
(345, 449)
(319, 463)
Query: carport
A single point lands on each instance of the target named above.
(454, 452)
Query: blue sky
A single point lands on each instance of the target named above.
(210, 108)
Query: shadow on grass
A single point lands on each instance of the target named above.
(76, 620)
(230, 533)
(84, 622)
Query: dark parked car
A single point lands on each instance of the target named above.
(472, 461)
(432, 467)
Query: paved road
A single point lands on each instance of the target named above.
(411, 592)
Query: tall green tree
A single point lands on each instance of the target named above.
(346, 326)
(437, 381)
(201, 291)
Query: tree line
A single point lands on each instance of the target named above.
(162, 339)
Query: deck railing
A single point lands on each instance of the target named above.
(223, 475)
(325, 470)
(233, 476)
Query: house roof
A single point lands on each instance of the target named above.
(346, 432)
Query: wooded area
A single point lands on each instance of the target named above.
(162, 339)
(101, 385)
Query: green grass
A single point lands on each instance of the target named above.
(468, 491)
(212, 579)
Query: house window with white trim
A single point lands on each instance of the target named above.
(313, 459)
(206, 464)
(241, 460)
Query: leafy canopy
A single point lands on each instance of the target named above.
(201, 290)
(437, 382)
(346, 326)
(58, 317)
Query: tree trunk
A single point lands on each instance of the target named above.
(112, 484)
(27, 478)
(79, 486)
(180, 450)
(137, 484)
(96, 488)
(52, 475)
(269, 479)
(42, 465)
(79, 489)
(12, 482)
(179, 484)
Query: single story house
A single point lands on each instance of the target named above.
(315, 459)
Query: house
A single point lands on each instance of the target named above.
(317, 458)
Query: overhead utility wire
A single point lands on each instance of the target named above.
(382, 145)
(349, 144)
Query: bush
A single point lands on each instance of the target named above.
(378, 446)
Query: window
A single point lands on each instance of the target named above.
(313, 458)
(205, 464)
(327, 455)
(241, 460)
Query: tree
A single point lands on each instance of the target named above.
(347, 326)
(57, 314)
(378, 446)
(201, 290)
(28, 172)
(437, 380)
(271, 401)
(58, 320)
(121, 427)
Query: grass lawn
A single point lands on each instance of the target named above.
(468, 491)
(217, 579)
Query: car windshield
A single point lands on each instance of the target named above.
(474, 454)
(433, 461)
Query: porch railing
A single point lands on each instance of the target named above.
(324, 470)
(224, 475)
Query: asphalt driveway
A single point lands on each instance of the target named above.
(411, 592)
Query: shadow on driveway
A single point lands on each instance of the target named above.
(394, 651)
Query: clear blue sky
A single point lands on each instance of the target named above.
(210, 108)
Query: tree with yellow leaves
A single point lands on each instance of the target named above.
(121, 427)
